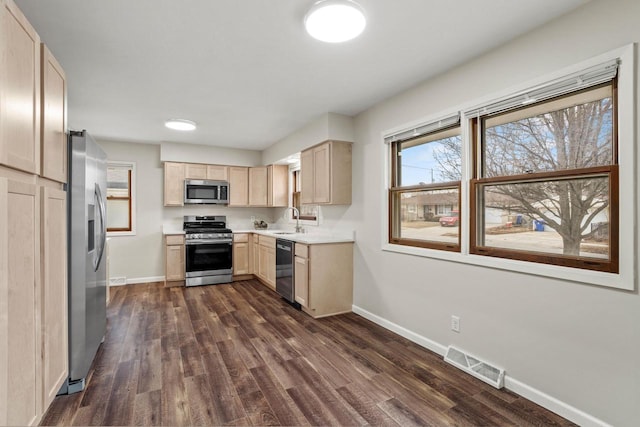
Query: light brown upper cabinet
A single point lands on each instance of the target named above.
(195, 171)
(19, 90)
(174, 184)
(326, 174)
(258, 186)
(53, 118)
(238, 186)
(269, 185)
(278, 185)
(218, 173)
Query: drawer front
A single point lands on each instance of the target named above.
(267, 241)
(173, 239)
(241, 238)
(302, 250)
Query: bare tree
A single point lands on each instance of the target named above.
(571, 138)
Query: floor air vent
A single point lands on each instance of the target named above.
(476, 367)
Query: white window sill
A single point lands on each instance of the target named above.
(120, 233)
(617, 281)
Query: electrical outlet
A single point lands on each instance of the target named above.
(253, 218)
(455, 323)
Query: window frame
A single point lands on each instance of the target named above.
(294, 170)
(131, 230)
(396, 191)
(628, 165)
(479, 181)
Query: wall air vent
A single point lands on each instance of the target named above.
(476, 367)
(117, 281)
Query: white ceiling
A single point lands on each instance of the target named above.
(245, 70)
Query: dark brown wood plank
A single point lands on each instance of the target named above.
(121, 400)
(175, 411)
(147, 408)
(225, 397)
(474, 412)
(313, 409)
(258, 410)
(94, 403)
(331, 400)
(199, 394)
(283, 407)
(62, 410)
(366, 407)
(238, 355)
(150, 377)
(238, 373)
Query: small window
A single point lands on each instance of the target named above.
(120, 198)
(547, 186)
(425, 190)
(307, 212)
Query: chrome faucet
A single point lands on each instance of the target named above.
(296, 212)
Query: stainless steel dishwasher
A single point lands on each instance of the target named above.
(285, 284)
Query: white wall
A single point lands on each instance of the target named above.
(192, 153)
(140, 258)
(328, 126)
(574, 342)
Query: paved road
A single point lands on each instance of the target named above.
(547, 241)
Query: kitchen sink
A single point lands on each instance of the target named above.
(283, 232)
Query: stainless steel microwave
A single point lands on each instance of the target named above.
(203, 192)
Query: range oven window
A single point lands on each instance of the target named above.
(204, 257)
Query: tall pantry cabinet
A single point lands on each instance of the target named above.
(33, 219)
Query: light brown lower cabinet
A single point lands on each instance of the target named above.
(174, 261)
(20, 332)
(241, 254)
(324, 278)
(55, 360)
(267, 260)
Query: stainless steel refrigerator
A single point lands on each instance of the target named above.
(87, 266)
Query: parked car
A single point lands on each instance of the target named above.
(450, 221)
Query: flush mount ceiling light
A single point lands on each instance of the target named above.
(335, 21)
(180, 124)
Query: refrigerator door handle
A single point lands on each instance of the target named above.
(103, 227)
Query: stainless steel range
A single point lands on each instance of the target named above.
(209, 249)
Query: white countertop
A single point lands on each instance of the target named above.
(307, 238)
(314, 238)
(171, 229)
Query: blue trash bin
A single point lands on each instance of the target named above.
(538, 224)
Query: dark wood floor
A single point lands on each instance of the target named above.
(238, 355)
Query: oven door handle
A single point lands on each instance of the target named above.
(208, 242)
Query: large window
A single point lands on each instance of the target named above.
(120, 198)
(425, 188)
(547, 184)
(541, 180)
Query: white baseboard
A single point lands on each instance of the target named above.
(554, 405)
(549, 402)
(145, 280)
(410, 335)
(121, 281)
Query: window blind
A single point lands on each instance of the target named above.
(586, 78)
(424, 129)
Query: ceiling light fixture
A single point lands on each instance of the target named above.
(180, 124)
(335, 21)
